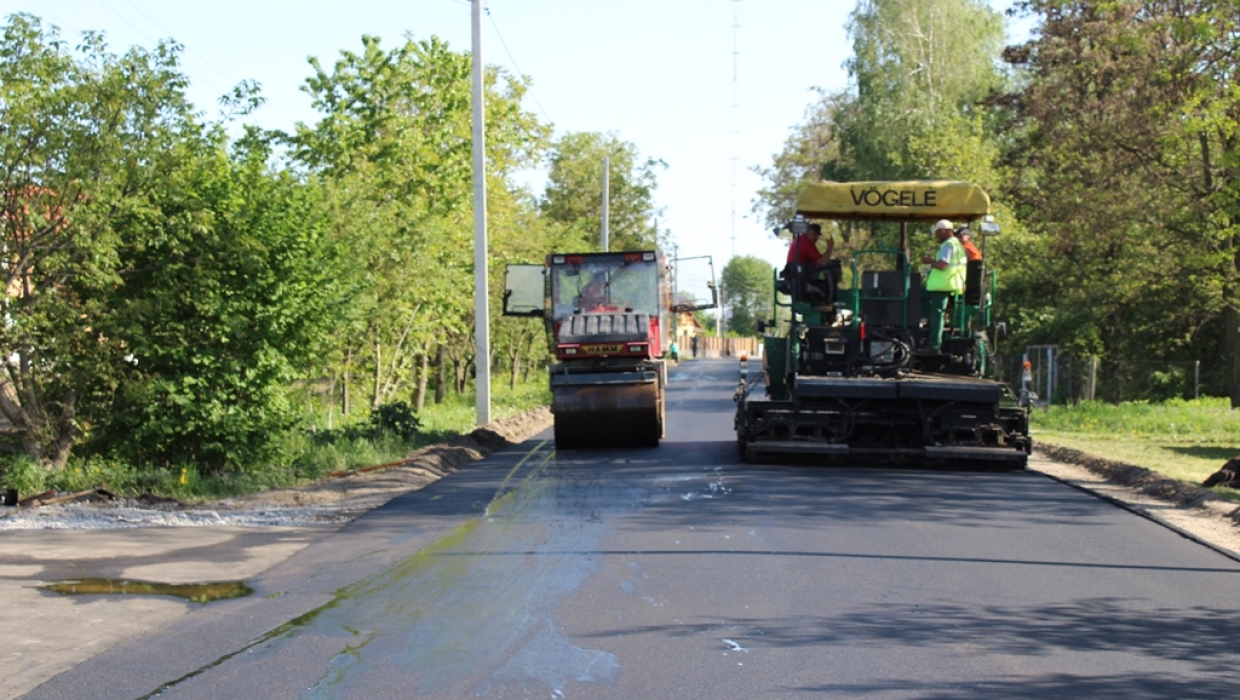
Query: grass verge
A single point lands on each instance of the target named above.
(1182, 440)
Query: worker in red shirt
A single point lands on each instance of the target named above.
(819, 284)
(804, 247)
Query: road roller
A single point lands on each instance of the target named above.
(607, 318)
(856, 369)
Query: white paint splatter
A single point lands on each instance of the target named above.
(673, 478)
(734, 646)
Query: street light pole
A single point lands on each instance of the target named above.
(606, 203)
(482, 310)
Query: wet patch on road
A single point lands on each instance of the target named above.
(473, 612)
(193, 592)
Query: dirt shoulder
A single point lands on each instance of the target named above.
(330, 501)
(356, 492)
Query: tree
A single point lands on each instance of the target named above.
(519, 235)
(85, 147)
(747, 293)
(811, 145)
(394, 148)
(920, 73)
(1123, 98)
(573, 196)
(161, 291)
(226, 299)
(917, 66)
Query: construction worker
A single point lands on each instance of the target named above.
(804, 254)
(594, 294)
(804, 248)
(945, 278)
(971, 251)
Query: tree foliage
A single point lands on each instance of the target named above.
(748, 290)
(1109, 148)
(230, 303)
(1127, 166)
(173, 294)
(919, 73)
(810, 146)
(394, 149)
(85, 144)
(573, 196)
(918, 69)
(162, 290)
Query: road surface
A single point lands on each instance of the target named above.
(679, 572)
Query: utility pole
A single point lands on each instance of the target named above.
(482, 310)
(606, 201)
(675, 282)
(735, 157)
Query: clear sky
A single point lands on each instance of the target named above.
(657, 73)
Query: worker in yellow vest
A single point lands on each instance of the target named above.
(945, 278)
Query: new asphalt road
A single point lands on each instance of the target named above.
(679, 572)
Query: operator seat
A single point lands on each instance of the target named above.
(960, 308)
(973, 283)
(814, 285)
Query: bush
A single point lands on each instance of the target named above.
(1172, 384)
(390, 421)
(24, 475)
(93, 471)
(396, 419)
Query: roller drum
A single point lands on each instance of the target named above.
(616, 415)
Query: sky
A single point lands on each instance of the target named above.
(712, 88)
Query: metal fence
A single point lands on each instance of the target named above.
(1059, 378)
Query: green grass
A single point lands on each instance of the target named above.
(1183, 440)
(456, 416)
(306, 458)
(457, 413)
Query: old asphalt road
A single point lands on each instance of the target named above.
(679, 573)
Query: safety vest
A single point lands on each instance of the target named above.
(950, 279)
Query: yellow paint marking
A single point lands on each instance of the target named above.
(506, 495)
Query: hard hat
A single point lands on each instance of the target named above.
(944, 223)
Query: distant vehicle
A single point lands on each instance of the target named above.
(848, 376)
(607, 320)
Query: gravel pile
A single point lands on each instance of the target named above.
(102, 517)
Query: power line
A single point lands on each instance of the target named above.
(141, 32)
(152, 39)
(514, 63)
(46, 13)
(191, 52)
(188, 50)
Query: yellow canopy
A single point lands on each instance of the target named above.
(913, 200)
